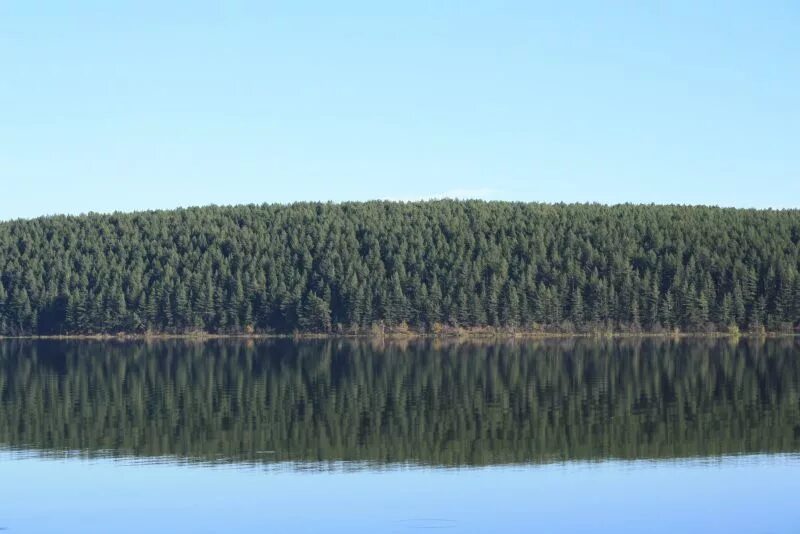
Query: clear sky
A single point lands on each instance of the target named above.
(149, 104)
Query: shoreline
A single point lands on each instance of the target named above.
(498, 335)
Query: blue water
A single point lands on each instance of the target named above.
(757, 493)
(634, 435)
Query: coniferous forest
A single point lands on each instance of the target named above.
(426, 266)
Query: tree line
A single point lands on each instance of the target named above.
(353, 267)
(435, 403)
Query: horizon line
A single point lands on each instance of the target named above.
(428, 200)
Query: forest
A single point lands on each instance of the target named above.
(438, 402)
(372, 267)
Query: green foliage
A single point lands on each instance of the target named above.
(313, 267)
(315, 315)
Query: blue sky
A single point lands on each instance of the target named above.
(137, 105)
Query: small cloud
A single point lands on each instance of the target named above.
(483, 193)
(479, 193)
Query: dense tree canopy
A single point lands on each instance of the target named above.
(352, 266)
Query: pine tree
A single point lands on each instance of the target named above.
(666, 313)
(653, 296)
(726, 315)
(396, 308)
(3, 298)
(576, 306)
(181, 311)
(739, 311)
(509, 307)
(119, 308)
(315, 315)
(21, 309)
(435, 309)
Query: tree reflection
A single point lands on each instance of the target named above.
(438, 403)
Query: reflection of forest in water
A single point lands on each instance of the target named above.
(443, 403)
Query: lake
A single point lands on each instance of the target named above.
(576, 435)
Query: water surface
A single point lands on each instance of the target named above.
(352, 436)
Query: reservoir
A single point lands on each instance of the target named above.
(571, 435)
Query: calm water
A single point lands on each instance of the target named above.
(277, 436)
